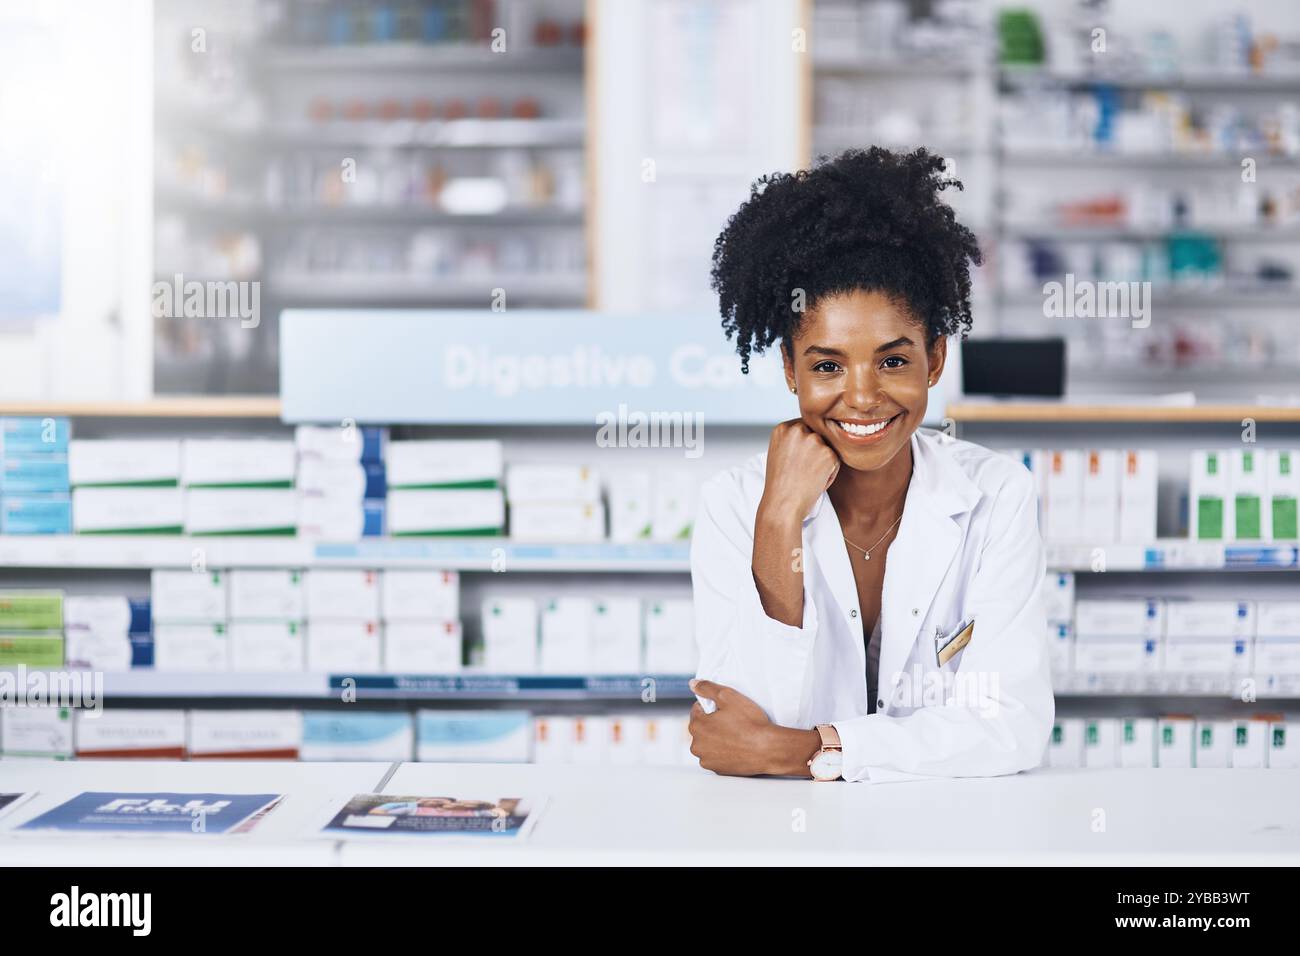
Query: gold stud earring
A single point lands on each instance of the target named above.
(793, 390)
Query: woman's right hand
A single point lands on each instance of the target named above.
(800, 466)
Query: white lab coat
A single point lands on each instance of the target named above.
(968, 548)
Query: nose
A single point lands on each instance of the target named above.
(861, 388)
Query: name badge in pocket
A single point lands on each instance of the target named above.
(947, 645)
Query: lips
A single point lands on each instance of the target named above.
(865, 432)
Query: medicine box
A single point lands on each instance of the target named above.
(669, 628)
(1283, 489)
(44, 513)
(1101, 736)
(34, 435)
(509, 628)
(1284, 745)
(1099, 520)
(95, 650)
(117, 463)
(1119, 617)
(553, 483)
(244, 734)
(1065, 746)
(191, 648)
(188, 596)
(439, 463)
(39, 649)
(128, 511)
(130, 734)
(1215, 740)
(1209, 513)
(1176, 745)
(674, 495)
(343, 594)
(108, 614)
(449, 512)
(557, 521)
(1250, 739)
(344, 647)
(423, 647)
(275, 594)
(1137, 742)
(631, 506)
(238, 463)
(336, 735)
(616, 636)
(566, 635)
(1064, 495)
(1248, 481)
(36, 732)
(415, 595)
(1058, 596)
(31, 610)
(267, 646)
(340, 443)
(474, 736)
(241, 511)
(27, 474)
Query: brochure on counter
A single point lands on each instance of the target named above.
(388, 817)
(154, 814)
(11, 801)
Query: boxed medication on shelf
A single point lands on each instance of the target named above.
(1119, 617)
(673, 514)
(1209, 514)
(1065, 746)
(445, 463)
(616, 636)
(411, 595)
(1099, 518)
(1188, 618)
(128, 511)
(343, 594)
(1208, 655)
(131, 734)
(1060, 641)
(626, 735)
(188, 596)
(1282, 484)
(339, 443)
(1177, 742)
(1063, 486)
(46, 513)
(110, 614)
(95, 650)
(566, 631)
(1138, 495)
(1250, 742)
(28, 435)
(42, 649)
(141, 650)
(267, 646)
(589, 744)
(423, 647)
(1137, 742)
(474, 736)
(1284, 745)
(276, 594)
(344, 647)
(454, 511)
(241, 511)
(36, 732)
(1101, 742)
(238, 463)
(665, 741)
(1058, 596)
(567, 483)
(342, 480)
(31, 610)
(117, 462)
(1248, 484)
(370, 735)
(552, 738)
(669, 629)
(28, 474)
(631, 506)
(510, 635)
(559, 521)
(1111, 654)
(191, 648)
(331, 519)
(1214, 743)
(1277, 644)
(244, 734)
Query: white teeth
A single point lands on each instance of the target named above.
(863, 430)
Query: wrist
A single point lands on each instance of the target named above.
(790, 751)
(778, 518)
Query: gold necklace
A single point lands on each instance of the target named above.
(866, 552)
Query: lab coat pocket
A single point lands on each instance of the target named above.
(950, 644)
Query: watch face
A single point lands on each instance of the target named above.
(827, 765)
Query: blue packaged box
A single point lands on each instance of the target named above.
(27, 473)
(141, 616)
(376, 479)
(27, 436)
(373, 520)
(36, 514)
(141, 649)
(373, 439)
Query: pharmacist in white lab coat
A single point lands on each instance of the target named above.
(867, 593)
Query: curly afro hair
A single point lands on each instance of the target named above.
(870, 220)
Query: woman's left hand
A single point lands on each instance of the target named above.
(739, 740)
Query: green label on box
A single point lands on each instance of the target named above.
(31, 611)
(1209, 518)
(1167, 737)
(1285, 524)
(1241, 736)
(32, 650)
(1207, 737)
(1130, 732)
(1248, 515)
(1092, 735)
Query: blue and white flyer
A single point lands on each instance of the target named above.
(388, 817)
(162, 814)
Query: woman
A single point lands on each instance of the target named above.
(867, 594)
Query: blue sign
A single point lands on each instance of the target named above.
(99, 812)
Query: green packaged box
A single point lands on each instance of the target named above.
(31, 648)
(31, 610)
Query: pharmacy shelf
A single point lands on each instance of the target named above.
(1174, 555)
(404, 57)
(330, 288)
(269, 215)
(1156, 684)
(466, 133)
(1243, 297)
(1064, 232)
(147, 683)
(914, 68)
(1087, 156)
(464, 554)
(224, 406)
(1014, 77)
(1056, 412)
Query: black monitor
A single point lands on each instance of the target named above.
(1016, 368)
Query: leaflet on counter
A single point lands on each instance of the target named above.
(386, 816)
(155, 814)
(11, 801)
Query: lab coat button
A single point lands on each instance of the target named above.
(880, 702)
(853, 613)
(915, 611)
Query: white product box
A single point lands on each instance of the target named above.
(259, 595)
(1186, 619)
(558, 521)
(446, 511)
(1035, 462)
(1138, 484)
(1101, 736)
(663, 741)
(1058, 595)
(1064, 495)
(96, 650)
(197, 596)
(1100, 496)
(245, 734)
(1283, 488)
(1284, 745)
(1124, 617)
(238, 462)
(1250, 740)
(1060, 642)
(134, 734)
(423, 647)
(552, 739)
(590, 740)
(420, 595)
(675, 492)
(1116, 655)
(36, 732)
(1208, 655)
(1209, 509)
(566, 633)
(197, 648)
(510, 635)
(1214, 743)
(1277, 655)
(342, 594)
(331, 519)
(339, 735)
(670, 637)
(1065, 748)
(616, 636)
(631, 506)
(556, 483)
(434, 463)
(625, 736)
(128, 510)
(331, 442)
(106, 614)
(1273, 619)
(331, 479)
(1177, 742)
(344, 647)
(474, 736)
(124, 462)
(1137, 742)
(1247, 478)
(267, 646)
(241, 511)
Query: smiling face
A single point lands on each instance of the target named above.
(863, 373)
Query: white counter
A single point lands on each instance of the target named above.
(647, 815)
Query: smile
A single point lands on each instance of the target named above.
(866, 431)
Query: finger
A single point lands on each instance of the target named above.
(707, 688)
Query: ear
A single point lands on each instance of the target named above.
(938, 357)
(788, 364)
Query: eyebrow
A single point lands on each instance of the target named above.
(899, 342)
